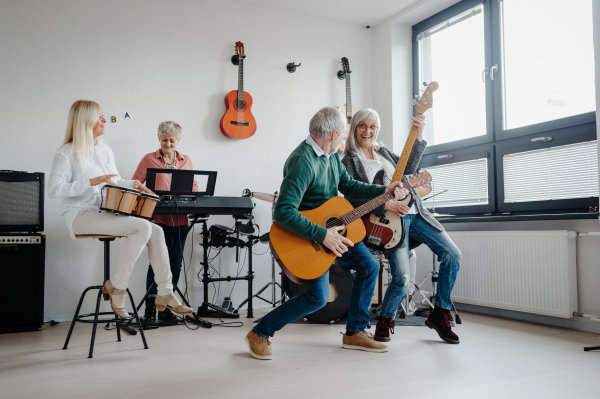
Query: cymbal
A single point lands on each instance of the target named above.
(264, 196)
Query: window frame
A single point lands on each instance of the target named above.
(442, 16)
(499, 142)
(498, 86)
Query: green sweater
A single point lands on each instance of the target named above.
(308, 182)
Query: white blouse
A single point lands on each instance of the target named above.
(68, 181)
(372, 166)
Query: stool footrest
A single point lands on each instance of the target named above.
(81, 317)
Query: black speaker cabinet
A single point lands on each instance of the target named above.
(22, 282)
(21, 201)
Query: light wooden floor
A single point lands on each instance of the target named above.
(496, 359)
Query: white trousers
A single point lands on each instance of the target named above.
(139, 233)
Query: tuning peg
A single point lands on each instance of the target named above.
(414, 102)
(425, 84)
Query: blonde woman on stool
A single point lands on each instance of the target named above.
(81, 167)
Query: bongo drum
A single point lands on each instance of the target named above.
(119, 199)
(145, 206)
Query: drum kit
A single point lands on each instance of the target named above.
(340, 281)
(128, 201)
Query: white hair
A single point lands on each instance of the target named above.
(363, 115)
(169, 129)
(326, 121)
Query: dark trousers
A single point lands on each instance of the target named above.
(175, 239)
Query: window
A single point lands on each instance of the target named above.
(519, 76)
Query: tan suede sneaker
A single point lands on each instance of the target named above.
(260, 348)
(362, 341)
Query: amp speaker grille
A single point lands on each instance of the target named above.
(20, 203)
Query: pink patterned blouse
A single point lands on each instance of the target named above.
(155, 160)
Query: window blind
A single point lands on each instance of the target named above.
(450, 22)
(466, 182)
(562, 172)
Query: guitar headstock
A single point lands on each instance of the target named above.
(239, 50)
(420, 179)
(426, 100)
(345, 65)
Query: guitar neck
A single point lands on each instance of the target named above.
(241, 79)
(362, 210)
(410, 141)
(348, 97)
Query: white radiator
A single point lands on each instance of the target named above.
(525, 271)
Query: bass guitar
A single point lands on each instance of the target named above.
(386, 233)
(238, 122)
(305, 261)
(347, 109)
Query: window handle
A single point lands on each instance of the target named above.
(492, 69)
(542, 139)
(448, 156)
(483, 73)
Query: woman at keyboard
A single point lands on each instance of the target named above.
(81, 167)
(174, 226)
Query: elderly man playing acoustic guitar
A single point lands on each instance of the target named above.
(312, 175)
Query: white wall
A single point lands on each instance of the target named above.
(166, 60)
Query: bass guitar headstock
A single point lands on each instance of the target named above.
(420, 179)
(426, 100)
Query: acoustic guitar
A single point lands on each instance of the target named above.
(304, 261)
(386, 233)
(347, 109)
(238, 122)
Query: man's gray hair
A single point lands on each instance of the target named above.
(326, 121)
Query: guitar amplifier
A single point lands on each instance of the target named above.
(21, 201)
(22, 259)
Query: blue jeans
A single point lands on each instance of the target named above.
(398, 287)
(366, 267)
(175, 239)
(447, 252)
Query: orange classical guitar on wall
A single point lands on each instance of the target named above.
(238, 122)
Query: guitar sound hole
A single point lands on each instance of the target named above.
(332, 222)
(240, 105)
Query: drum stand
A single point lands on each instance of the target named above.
(208, 309)
(272, 283)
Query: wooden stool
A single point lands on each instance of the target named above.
(82, 318)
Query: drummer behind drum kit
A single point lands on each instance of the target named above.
(340, 282)
(128, 201)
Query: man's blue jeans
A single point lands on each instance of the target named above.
(366, 270)
(441, 245)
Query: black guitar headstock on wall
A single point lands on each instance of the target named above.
(345, 69)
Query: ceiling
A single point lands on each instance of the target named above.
(359, 12)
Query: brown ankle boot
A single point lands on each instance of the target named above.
(440, 320)
(385, 326)
(260, 348)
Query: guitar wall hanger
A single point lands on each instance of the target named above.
(291, 67)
